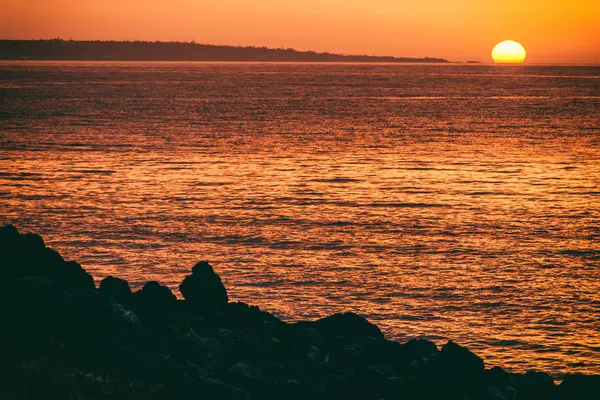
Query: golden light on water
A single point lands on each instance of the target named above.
(509, 52)
(440, 201)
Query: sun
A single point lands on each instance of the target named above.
(509, 52)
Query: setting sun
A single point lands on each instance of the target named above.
(508, 52)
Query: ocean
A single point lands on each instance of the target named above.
(440, 201)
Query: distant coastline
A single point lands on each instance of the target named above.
(63, 50)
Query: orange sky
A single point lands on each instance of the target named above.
(552, 31)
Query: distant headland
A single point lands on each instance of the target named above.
(58, 49)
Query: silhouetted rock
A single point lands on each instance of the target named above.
(346, 325)
(580, 387)
(75, 277)
(415, 355)
(157, 294)
(117, 288)
(8, 236)
(56, 326)
(535, 386)
(203, 289)
(498, 377)
(499, 384)
(27, 255)
(456, 359)
(240, 315)
(459, 373)
(153, 300)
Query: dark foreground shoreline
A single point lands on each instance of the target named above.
(63, 338)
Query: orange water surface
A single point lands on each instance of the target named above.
(440, 201)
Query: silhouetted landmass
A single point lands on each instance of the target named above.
(63, 338)
(57, 49)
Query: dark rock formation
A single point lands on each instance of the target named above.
(154, 301)
(63, 338)
(535, 385)
(117, 288)
(459, 373)
(420, 352)
(35, 307)
(455, 359)
(580, 387)
(346, 325)
(27, 255)
(203, 289)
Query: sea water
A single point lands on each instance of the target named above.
(440, 201)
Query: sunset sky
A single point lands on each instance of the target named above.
(552, 31)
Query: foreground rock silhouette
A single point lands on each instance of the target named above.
(63, 338)
(204, 290)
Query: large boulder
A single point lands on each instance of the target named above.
(420, 351)
(156, 294)
(456, 373)
(498, 377)
(27, 255)
(346, 325)
(203, 289)
(535, 385)
(410, 358)
(116, 288)
(153, 300)
(74, 277)
(500, 385)
(456, 359)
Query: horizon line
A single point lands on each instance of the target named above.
(471, 61)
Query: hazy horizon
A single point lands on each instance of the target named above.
(552, 32)
(449, 61)
(207, 47)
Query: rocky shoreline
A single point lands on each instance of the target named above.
(64, 338)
